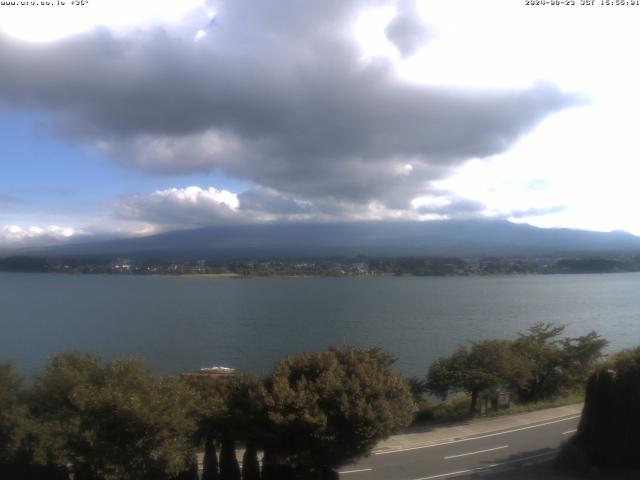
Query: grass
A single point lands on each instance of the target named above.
(569, 398)
(457, 408)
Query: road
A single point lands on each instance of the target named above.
(468, 456)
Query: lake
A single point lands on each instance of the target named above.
(182, 323)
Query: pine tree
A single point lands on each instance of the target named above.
(210, 462)
(268, 466)
(229, 468)
(250, 465)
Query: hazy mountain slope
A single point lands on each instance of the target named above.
(470, 237)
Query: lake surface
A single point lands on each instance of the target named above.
(183, 323)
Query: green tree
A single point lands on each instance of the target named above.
(114, 421)
(16, 459)
(329, 408)
(418, 387)
(580, 356)
(488, 366)
(229, 405)
(12, 414)
(555, 363)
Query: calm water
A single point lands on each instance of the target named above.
(181, 323)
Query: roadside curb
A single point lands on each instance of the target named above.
(477, 427)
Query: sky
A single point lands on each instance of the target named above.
(122, 118)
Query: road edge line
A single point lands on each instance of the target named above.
(478, 437)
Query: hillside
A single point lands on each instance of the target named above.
(461, 238)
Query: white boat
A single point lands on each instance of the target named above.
(217, 370)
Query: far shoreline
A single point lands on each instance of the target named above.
(237, 276)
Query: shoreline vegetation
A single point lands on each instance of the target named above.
(456, 409)
(329, 267)
(311, 414)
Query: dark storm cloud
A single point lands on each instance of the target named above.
(266, 200)
(407, 31)
(274, 93)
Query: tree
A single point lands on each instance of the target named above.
(229, 468)
(210, 461)
(250, 465)
(329, 408)
(536, 366)
(114, 421)
(418, 387)
(12, 414)
(15, 426)
(489, 365)
(580, 356)
(191, 473)
(228, 409)
(556, 364)
(609, 431)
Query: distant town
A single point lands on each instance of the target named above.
(334, 267)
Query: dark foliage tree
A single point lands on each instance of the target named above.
(328, 408)
(229, 405)
(609, 431)
(269, 465)
(536, 366)
(555, 363)
(12, 414)
(229, 468)
(250, 464)
(18, 432)
(489, 365)
(210, 461)
(418, 387)
(113, 421)
(275, 467)
(191, 472)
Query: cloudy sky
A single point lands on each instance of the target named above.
(128, 118)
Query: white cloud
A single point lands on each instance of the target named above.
(14, 235)
(181, 207)
(46, 23)
(584, 161)
(273, 123)
(197, 207)
(197, 195)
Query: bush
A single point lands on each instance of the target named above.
(609, 430)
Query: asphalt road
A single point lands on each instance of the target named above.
(469, 456)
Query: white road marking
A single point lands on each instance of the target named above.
(355, 471)
(488, 467)
(478, 437)
(475, 453)
(569, 431)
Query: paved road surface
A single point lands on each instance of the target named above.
(468, 456)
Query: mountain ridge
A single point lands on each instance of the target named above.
(390, 238)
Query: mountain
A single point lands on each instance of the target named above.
(454, 237)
